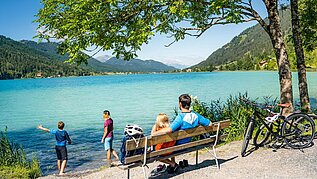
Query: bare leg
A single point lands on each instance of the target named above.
(114, 153)
(173, 159)
(170, 162)
(59, 165)
(63, 167)
(108, 154)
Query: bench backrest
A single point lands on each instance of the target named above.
(153, 140)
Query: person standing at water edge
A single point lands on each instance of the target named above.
(61, 151)
(107, 137)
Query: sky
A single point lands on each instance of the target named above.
(17, 16)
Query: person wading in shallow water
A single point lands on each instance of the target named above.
(61, 137)
(107, 137)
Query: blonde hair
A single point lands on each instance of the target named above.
(162, 120)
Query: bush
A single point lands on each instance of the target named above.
(232, 109)
(13, 162)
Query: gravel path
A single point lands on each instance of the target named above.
(261, 163)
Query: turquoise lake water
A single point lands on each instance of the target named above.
(131, 99)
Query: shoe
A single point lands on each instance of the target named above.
(181, 164)
(161, 168)
(158, 170)
(185, 163)
(173, 169)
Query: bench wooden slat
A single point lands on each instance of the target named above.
(171, 149)
(184, 151)
(137, 164)
(153, 140)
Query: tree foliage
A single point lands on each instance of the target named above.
(308, 20)
(125, 25)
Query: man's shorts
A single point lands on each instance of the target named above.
(108, 143)
(61, 152)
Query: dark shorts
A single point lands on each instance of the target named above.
(61, 152)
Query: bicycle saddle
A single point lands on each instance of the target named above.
(285, 105)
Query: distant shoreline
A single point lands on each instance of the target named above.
(139, 73)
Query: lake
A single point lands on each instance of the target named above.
(131, 99)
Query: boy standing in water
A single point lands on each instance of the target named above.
(61, 136)
(107, 137)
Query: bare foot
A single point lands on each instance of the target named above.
(115, 163)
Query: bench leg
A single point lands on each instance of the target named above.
(196, 157)
(215, 155)
(144, 172)
(128, 173)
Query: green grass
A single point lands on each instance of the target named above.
(13, 162)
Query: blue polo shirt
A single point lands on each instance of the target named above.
(188, 120)
(61, 137)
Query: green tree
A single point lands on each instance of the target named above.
(300, 59)
(126, 25)
(308, 23)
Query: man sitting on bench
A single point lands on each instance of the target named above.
(187, 119)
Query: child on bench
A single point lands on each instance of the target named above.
(162, 121)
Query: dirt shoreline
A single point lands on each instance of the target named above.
(261, 163)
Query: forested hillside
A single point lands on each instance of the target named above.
(50, 50)
(137, 65)
(28, 59)
(252, 50)
(18, 60)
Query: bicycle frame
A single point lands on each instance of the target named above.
(261, 117)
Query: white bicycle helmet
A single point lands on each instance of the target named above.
(133, 130)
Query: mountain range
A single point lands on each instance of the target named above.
(250, 50)
(26, 59)
(253, 44)
(106, 63)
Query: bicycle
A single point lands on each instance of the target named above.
(296, 130)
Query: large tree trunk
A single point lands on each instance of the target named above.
(285, 74)
(301, 67)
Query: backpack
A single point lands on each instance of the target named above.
(123, 153)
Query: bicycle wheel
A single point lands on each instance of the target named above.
(314, 118)
(247, 137)
(298, 131)
(262, 135)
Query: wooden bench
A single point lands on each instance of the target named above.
(148, 141)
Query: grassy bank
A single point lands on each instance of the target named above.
(13, 162)
(232, 109)
(236, 111)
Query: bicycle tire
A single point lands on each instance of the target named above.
(314, 118)
(300, 133)
(262, 135)
(247, 137)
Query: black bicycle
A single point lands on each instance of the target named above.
(296, 130)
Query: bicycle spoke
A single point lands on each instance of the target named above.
(299, 131)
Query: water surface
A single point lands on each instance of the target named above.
(131, 99)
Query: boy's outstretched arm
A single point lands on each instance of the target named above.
(68, 138)
(43, 128)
